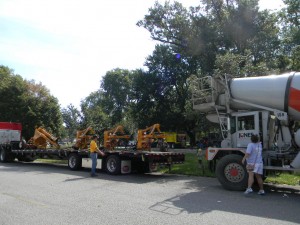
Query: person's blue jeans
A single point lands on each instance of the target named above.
(94, 162)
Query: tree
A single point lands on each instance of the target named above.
(94, 113)
(116, 93)
(237, 65)
(40, 109)
(143, 104)
(217, 37)
(290, 23)
(171, 88)
(187, 33)
(12, 93)
(213, 28)
(28, 103)
(72, 119)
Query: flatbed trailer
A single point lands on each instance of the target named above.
(114, 162)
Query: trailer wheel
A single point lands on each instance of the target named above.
(74, 161)
(113, 165)
(142, 167)
(231, 173)
(25, 158)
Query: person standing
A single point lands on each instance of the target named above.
(94, 150)
(253, 157)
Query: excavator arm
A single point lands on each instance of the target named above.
(112, 137)
(42, 137)
(83, 138)
(148, 135)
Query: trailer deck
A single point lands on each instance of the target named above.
(142, 161)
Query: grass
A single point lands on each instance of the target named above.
(58, 161)
(192, 167)
(284, 178)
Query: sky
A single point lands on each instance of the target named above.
(69, 45)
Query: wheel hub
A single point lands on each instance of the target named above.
(111, 165)
(72, 162)
(234, 172)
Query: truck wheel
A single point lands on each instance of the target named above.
(231, 173)
(5, 156)
(2, 155)
(113, 165)
(74, 162)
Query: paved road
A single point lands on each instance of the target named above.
(42, 194)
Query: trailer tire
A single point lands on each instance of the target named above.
(113, 165)
(231, 173)
(74, 161)
(142, 168)
(25, 158)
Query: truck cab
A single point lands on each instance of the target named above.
(243, 125)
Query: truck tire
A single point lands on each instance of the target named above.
(5, 155)
(2, 155)
(231, 173)
(113, 165)
(74, 161)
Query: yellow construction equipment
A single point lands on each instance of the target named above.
(83, 138)
(113, 137)
(42, 137)
(148, 135)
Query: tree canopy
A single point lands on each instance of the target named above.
(28, 103)
(216, 37)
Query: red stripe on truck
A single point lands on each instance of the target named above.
(294, 99)
(10, 126)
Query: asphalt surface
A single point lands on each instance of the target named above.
(37, 193)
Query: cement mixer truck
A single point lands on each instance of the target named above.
(265, 105)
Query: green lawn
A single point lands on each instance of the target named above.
(192, 167)
(284, 178)
(58, 161)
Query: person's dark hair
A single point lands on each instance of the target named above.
(94, 137)
(254, 138)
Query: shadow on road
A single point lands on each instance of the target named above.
(280, 203)
(84, 173)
